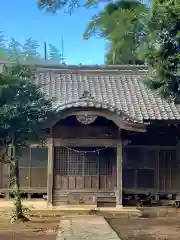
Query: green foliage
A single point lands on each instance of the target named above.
(23, 110)
(23, 53)
(2, 41)
(163, 48)
(51, 6)
(14, 51)
(124, 25)
(2, 45)
(30, 52)
(23, 106)
(54, 55)
(26, 53)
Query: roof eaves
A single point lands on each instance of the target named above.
(86, 102)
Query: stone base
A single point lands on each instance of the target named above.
(119, 206)
(49, 205)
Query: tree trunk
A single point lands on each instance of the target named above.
(18, 213)
(17, 202)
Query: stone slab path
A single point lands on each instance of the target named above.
(85, 227)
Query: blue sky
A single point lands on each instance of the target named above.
(22, 19)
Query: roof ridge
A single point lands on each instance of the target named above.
(85, 67)
(94, 68)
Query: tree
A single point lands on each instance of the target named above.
(54, 54)
(163, 49)
(23, 108)
(30, 52)
(14, 51)
(23, 53)
(26, 53)
(123, 24)
(2, 41)
(2, 45)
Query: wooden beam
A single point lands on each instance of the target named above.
(114, 141)
(151, 147)
(134, 127)
(37, 145)
(50, 171)
(85, 142)
(119, 176)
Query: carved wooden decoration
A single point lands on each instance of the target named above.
(86, 119)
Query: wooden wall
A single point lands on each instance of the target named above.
(140, 164)
(83, 132)
(145, 168)
(152, 168)
(150, 162)
(32, 170)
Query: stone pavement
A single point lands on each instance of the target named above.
(85, 227)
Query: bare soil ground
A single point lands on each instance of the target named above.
(44, 224)
(162, 228)
(38, 228)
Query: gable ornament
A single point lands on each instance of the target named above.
(86, 119)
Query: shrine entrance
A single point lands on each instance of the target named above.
(85, 158)
(84, 168)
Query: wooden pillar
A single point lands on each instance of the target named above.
(119, 176)
(50, 171)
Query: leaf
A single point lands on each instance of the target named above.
(163, 49)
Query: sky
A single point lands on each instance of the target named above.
(22, 19)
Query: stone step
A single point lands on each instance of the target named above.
(106, 199)
(60, 198)
(59, 203)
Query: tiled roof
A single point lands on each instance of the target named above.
(118, 89)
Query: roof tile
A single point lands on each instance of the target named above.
(116, 90)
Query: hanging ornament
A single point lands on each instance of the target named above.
(86, 119)
(107, 145)
(86, 152)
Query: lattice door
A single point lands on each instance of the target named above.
(81, 170)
